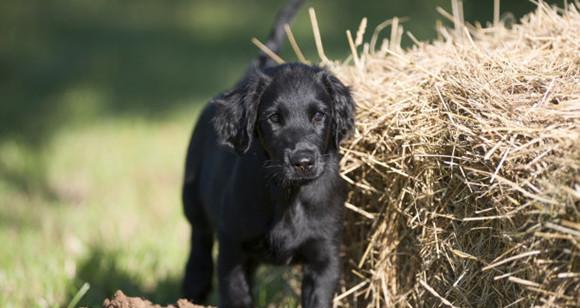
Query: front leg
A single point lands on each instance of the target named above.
(234, 287)
(321, 274)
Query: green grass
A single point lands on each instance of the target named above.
(112, 217)
(108, 213)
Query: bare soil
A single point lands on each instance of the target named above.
(120, 300)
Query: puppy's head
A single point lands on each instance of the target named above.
(297, 114)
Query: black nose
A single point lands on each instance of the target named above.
(303, 161)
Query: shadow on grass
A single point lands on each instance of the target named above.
(65, 63)
(105, 275)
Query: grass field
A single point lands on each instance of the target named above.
(104, 210)
(108, 214)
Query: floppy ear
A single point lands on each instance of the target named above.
(343, 109)
(237, 109)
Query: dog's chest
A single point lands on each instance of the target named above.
(282, 242)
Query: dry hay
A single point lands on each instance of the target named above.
(465, 168)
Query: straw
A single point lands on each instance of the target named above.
(465, 168)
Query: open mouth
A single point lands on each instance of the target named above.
(303, 178)
(294, 174)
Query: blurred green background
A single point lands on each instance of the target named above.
(97, 101)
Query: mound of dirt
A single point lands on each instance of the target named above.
(120, 300)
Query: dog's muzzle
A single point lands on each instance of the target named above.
(302, 163)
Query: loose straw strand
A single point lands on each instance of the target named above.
(495, 13)
(268, 51)
(353, 49)
(317, 38)
(294, 45)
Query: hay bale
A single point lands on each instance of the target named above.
(465, 168)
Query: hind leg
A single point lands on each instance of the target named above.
(199, 268)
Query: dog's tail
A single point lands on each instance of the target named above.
(278, 34)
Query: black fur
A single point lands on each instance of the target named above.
(262, 177)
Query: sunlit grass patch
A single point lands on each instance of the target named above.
(111, 217)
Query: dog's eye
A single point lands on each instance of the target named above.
(275, 118)
(318, 117)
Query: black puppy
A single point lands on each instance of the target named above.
(262, 176)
